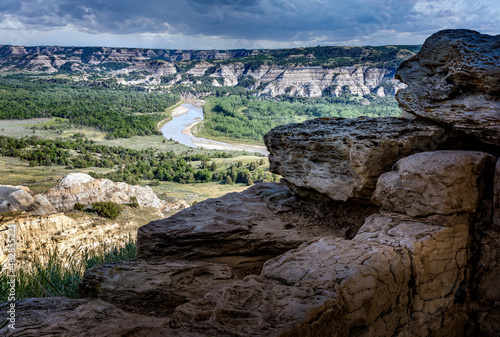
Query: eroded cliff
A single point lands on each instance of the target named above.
(340, 70)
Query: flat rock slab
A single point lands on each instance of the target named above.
(153, 288)
(256, 306)
(343, 158)
(66, 317)
(455, 79)
(242, 230)
(439, 182)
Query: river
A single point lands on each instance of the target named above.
(179, 129)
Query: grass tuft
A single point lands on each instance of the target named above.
(61, 273)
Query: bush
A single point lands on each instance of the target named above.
(79, 207)
(107, 209)
(133, 202)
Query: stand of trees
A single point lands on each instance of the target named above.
(132, 166)
(117, 110)
(250, 118)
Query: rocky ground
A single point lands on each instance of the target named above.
(386, 227)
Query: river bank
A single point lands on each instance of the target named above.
(188, 115)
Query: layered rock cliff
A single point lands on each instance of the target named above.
(384, 227)
(68, 235)
(277, 76)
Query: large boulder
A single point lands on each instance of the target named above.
(18, 198)
(82, 188)
(455, 79)
(439, 258)
(343, 158)
(440, 182)
(371, 279)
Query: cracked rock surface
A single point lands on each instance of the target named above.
(439, 256)
(372, 279)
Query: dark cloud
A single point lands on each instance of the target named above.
(274, 20)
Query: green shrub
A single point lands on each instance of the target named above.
(79, 207)
(107, 209)
(133, 202)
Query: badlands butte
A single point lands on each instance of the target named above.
(379, 227)
(310, 72)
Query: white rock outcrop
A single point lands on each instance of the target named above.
(82, 188)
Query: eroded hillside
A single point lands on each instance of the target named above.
(309, 72)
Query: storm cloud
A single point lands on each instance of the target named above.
(241, 23)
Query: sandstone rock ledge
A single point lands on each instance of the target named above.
(271, 261)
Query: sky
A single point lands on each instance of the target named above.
(234, 24)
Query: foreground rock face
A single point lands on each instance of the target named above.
(455, 79)
(439, 256)
(257, 306)
(18, 198)
(371, 279)
(82, 188)
(343, 158)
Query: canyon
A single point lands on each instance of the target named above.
(379, 227)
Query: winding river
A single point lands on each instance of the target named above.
(179, 129)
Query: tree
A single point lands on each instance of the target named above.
(228, 180)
